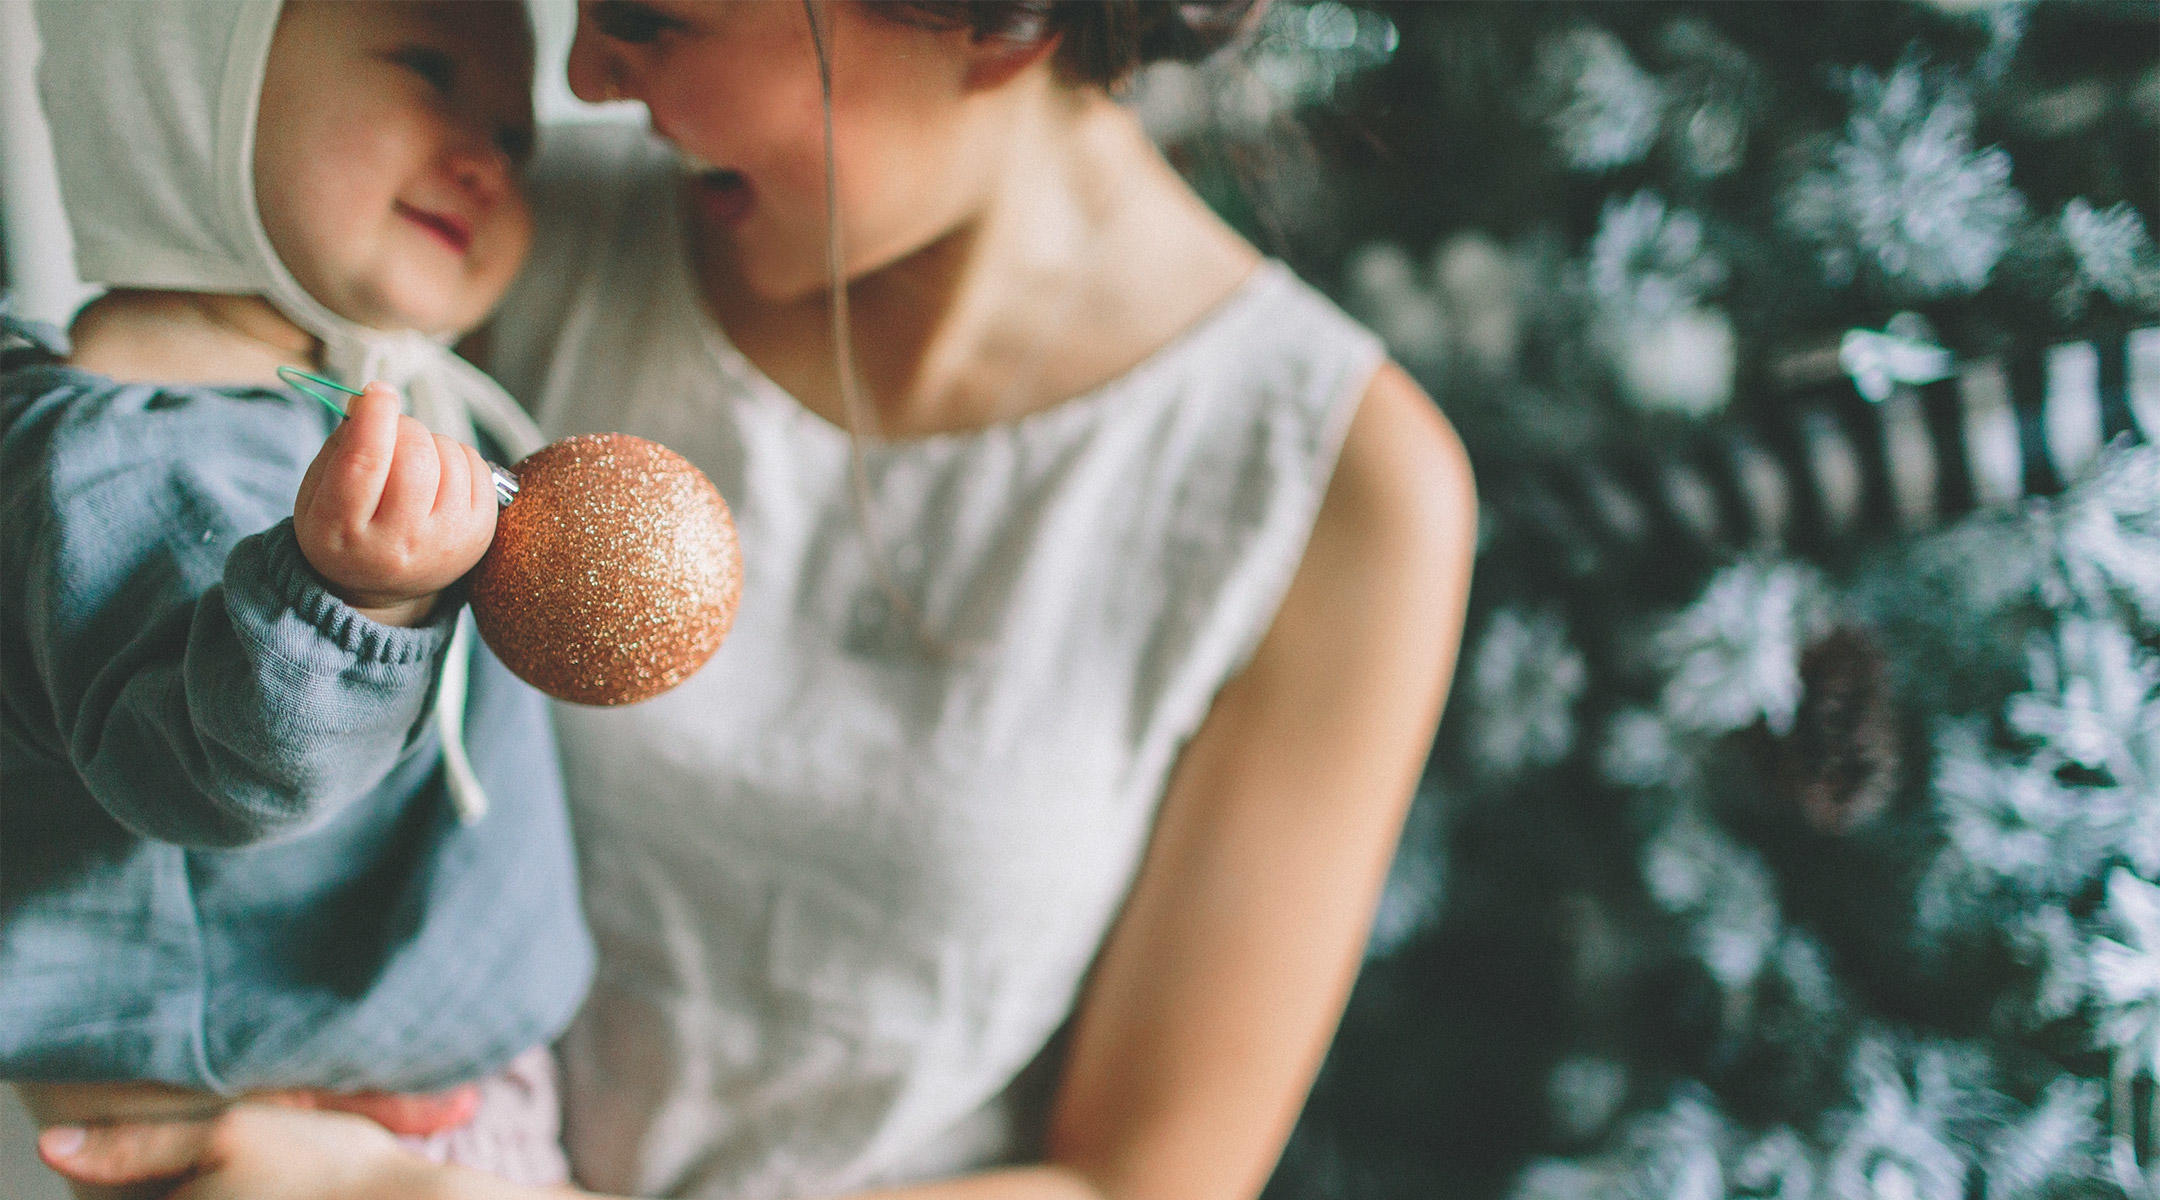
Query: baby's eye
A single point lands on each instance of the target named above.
(628, 21)
(435, 66)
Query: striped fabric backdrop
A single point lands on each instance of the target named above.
(1838, 467)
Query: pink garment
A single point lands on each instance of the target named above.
(517, 1132)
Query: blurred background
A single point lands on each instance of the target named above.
(1794, 830)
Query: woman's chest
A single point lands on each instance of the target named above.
(948, 685)
(941, 715)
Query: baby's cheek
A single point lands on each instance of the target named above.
(517, 221)
(371, 148)
(498, 252)
(322, 233)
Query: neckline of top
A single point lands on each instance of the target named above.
(1262, 278)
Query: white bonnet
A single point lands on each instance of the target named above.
(152, 105)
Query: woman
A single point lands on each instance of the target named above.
(1023, 839)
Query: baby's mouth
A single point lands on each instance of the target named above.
(453, 231)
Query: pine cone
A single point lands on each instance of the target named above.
(1839, 767)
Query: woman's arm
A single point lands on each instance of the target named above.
(1215, 998)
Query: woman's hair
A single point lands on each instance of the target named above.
(1101, 42)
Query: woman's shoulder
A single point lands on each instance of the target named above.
(1175, 267)
(1400, 511)
(1402, 469)
(1383, 579)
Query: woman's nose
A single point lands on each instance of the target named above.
(596, 69)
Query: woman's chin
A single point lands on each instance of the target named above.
(771, 281)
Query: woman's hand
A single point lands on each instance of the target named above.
(390, 514)
(250, 1152)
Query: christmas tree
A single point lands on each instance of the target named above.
(1794, 830)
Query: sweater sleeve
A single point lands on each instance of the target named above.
(194, 670)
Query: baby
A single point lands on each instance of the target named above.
(272, 818)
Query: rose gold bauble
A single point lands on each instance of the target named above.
(614, 573)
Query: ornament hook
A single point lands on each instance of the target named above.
(300, 380)
(506, 484)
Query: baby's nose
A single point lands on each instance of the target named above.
(480, 165)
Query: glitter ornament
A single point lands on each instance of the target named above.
(614, 573)
(613, 576)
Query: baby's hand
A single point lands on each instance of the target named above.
(390, 514)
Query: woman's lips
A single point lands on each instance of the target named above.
(454, 232)
(723, 195)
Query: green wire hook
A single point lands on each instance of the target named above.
(506, 484)
(300, 380)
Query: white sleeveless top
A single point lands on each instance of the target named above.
(845, 891)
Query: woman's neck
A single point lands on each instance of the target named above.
(1035, 298)
(142, 335)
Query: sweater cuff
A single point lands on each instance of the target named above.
(296, 583)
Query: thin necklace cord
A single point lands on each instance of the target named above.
(851, 402)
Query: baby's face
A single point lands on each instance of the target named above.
(388, 155)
